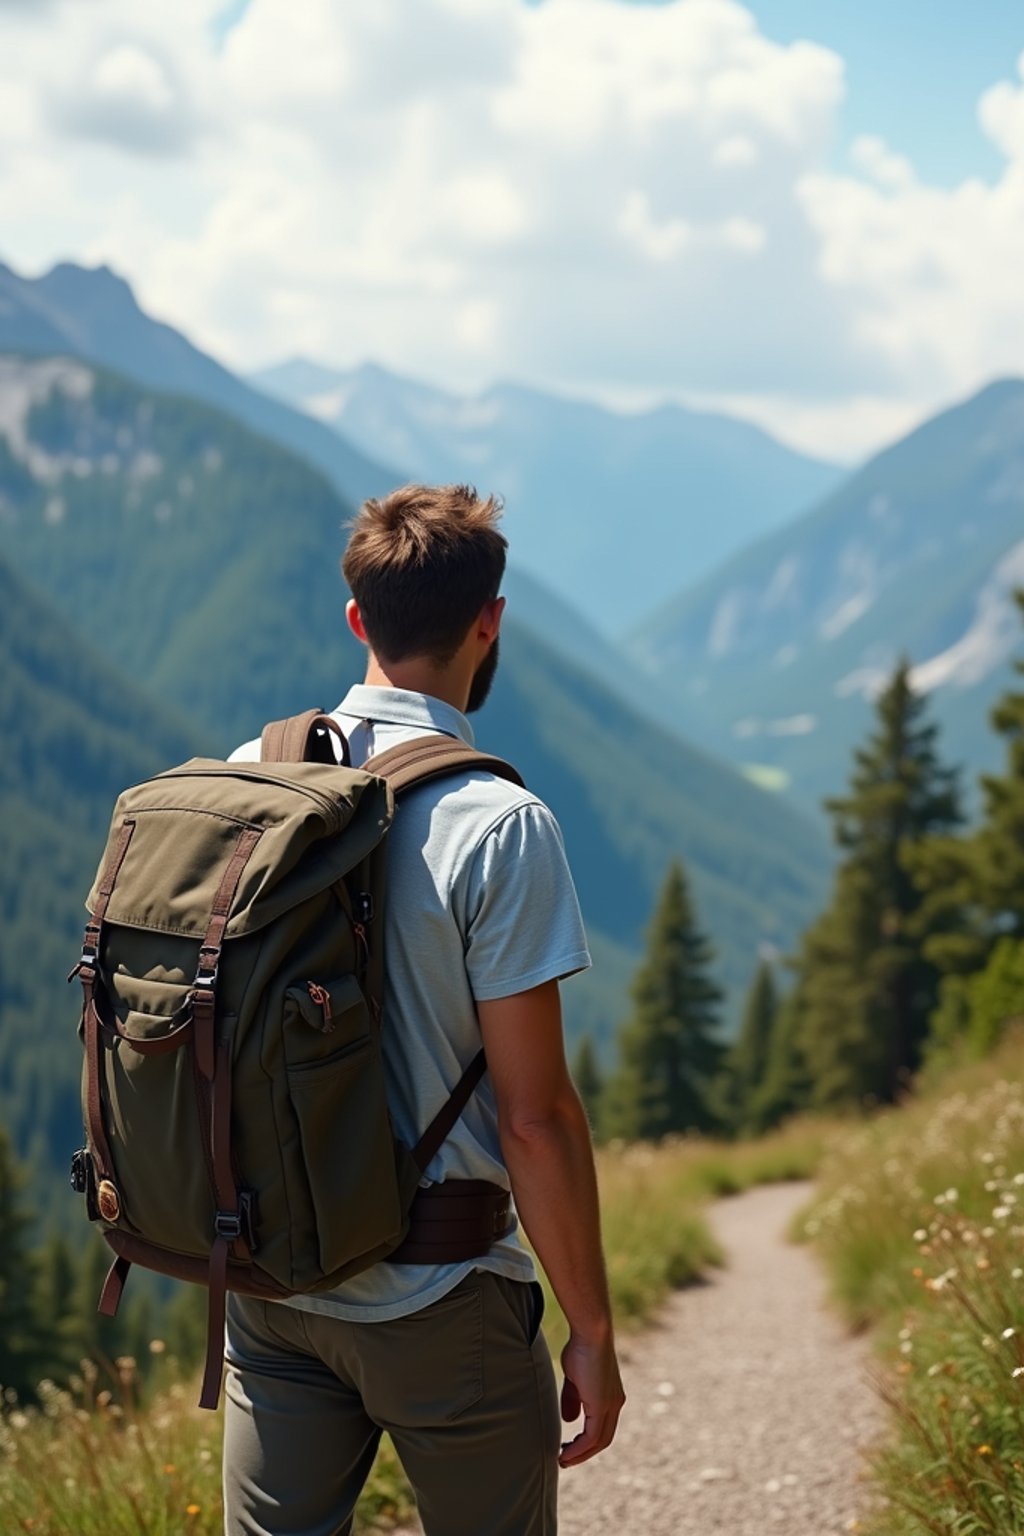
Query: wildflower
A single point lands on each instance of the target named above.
(1008, 1333)
(1015, 1274)
(1001, 1212)
(983, 1263)
(984, 1450)
(192, 1510)
(157, 1346)
(1018, 1370)
(170, 1468)
(920, 1236)
(952, 1196)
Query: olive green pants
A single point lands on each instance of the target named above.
(465, 1388)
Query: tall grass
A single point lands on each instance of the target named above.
(920, 1219)
(85, 1464)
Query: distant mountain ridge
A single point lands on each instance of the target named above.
(211, 555)
(775, 657)
(612, 511)
(91, 312)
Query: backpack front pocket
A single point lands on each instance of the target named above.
(348, 1151)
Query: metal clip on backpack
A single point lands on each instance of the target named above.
(237, 1132)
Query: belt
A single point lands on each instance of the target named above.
(459, 1219)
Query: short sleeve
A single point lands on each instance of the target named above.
(523, 918)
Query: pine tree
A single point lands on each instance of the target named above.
(55, 1308)
(21, 1344)
(747, 1062)
(669, 1050)
(866, 987)
(974, 893)
(787, 1085)
(589, 1082)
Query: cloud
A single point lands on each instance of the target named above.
(128, 96)
(586, 194)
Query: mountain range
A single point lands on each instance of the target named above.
(91, 312)
(774, 659)
(202, 561)
(609, 510)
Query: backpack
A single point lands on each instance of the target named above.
(233, 1092)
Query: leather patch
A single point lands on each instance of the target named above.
(108, 1200)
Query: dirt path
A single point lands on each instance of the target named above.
(748, 1405)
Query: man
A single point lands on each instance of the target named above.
(482, 922)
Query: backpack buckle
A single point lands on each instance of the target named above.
(209, 965)
(228, 1224)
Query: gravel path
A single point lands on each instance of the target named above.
(748, 1405)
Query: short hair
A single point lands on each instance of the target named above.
(421, 563)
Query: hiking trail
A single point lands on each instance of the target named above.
(748, 1402)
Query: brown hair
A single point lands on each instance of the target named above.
(421, 563)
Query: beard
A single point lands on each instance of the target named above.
(483, 677)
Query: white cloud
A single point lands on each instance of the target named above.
(585, 194)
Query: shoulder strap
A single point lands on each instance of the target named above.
(433, 757)
(302, 739)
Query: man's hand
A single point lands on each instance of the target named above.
(592, 1386)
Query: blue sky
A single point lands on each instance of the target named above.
(807, 212)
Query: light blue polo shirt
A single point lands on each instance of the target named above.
(480, 905)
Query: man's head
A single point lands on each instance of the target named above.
(424, 566)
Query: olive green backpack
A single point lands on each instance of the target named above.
(237, 1132)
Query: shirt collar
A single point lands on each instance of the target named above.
(400, 706)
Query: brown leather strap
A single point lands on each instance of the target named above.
(440, 1127)
(205, 984)
(433, 757)
(450, 1222)
(108, 879)
(216, 1312)
(113, 1287)
(303, 738)
(91, 1030)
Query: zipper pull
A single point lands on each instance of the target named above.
(364, 948)
(322, 998)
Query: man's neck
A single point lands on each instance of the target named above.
(419, 676)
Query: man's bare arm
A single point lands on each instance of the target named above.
(545, 1141)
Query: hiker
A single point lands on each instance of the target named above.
(482, 922)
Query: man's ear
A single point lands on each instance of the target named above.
(355, 621)
(490, 618)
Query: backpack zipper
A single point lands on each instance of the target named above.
(322, 998)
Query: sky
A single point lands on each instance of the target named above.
(809, 213)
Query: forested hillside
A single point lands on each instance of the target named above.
(776, 658)
(204, 561)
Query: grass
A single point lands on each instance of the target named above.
(920, 1220)
(83, 1464)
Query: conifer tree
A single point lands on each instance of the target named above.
(21, 1351)
(974, 890)
(669, 1050)
(589, 1082)
(787, 1085)
(865, 986)
(747, 1062)
(55, 1308)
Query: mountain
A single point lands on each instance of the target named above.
(91, 312)
(773, 659)
(204, 561)
(614, 512)
(75, 732)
